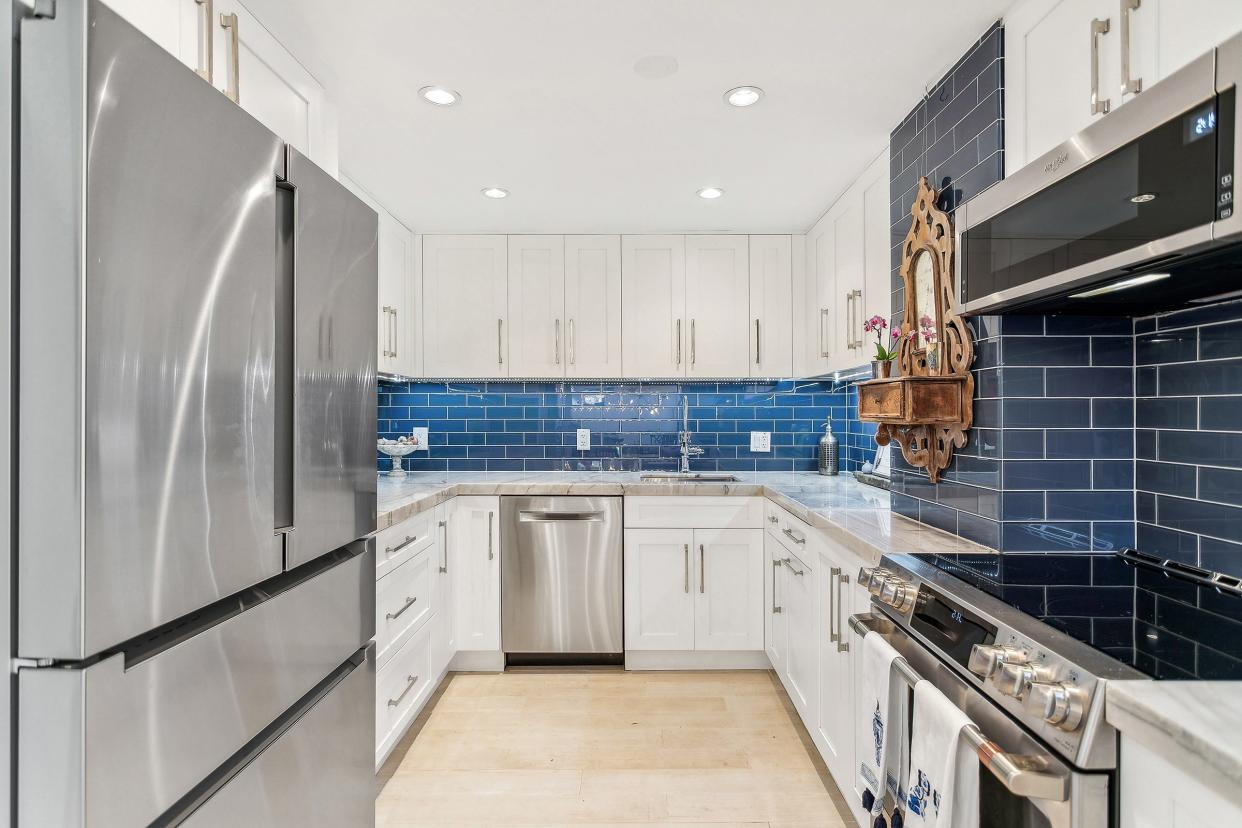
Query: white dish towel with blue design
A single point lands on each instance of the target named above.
(880, 718)
(943, 786)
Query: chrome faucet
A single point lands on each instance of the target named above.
(685, 436)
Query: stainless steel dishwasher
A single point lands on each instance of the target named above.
(561, 579)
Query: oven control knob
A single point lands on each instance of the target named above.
(1017, 679)
(986, 659)
(897, 594)
(1062, 705)
(875, 583)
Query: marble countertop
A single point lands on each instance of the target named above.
(852, 513)
(1202, 718)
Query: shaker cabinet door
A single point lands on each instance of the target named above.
(717, 306)
(728, 589)
(770, 327)
(655, 332)
(659, 602)
(465, 330)
(593, 306)
(538, 331)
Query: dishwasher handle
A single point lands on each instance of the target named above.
(531, 516)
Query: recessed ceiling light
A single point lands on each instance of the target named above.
(1143, 198)
(743, 95)
(1133, 281)
(439, 96)
(711, 192)
(495, 192)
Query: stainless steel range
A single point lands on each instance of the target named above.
(1035, 694)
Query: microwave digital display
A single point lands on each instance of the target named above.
(1200, 124)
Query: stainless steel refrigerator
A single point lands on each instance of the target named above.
(196, 402)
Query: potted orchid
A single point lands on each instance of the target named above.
(882, 365)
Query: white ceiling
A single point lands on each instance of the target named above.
(554, 111)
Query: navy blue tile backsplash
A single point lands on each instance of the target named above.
(530, 426)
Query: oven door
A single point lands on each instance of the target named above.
(1022, 784)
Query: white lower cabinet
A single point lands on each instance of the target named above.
(659, 608)
(474, 553)
(1170, 788)
(404, 599)
(775, 627)
(401, 687)
(835, 732)
(443, 639)
(728, 604)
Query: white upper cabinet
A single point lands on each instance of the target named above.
(464, 308)
(181, 27)
(654, 331)
(877, 286)
(538, 332)
(592, 327)
(771, 306)
(718, 305)
(253, 68)
(1068, 62)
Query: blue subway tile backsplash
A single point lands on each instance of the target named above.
(531, 426)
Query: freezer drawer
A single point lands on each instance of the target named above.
(561, 574)
(116, 743)
(318, 773)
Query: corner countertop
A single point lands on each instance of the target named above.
(854, 514)
(1200, 719)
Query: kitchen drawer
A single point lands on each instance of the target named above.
(400, 687)
(693, 512)
(403, 600)
(397, 544)
(792, 532)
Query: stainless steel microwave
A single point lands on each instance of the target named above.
(1132, 215)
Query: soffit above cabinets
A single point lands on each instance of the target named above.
(560, 108)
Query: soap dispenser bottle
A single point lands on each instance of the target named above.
(829, 451)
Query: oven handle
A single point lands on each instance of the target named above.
(1024, 776)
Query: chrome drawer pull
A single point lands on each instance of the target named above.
(773, 519)
(775, 607)
(786, 562)
(408, 540)
(410, 682)
(793, 537)
(409, 602)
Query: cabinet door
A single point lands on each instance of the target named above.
(654, 330)
(593, 306)
(537, 332)
(877, 255)
(272, 85)
(464, 289)
(771, 306)
(1165, 35)
(798, 594)
(397, 333)
(774, 588)
(821, 307)
(858, 602)
(443, 641)
(835, 715)
(717, 305)
(474, 538)
(849, 261)
(728, 589)
(659, 604)
(1048, 61)
(178, 26)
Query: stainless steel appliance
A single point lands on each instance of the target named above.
(194, 590)
(1133, 214)
(1035, 694)
(561, 577)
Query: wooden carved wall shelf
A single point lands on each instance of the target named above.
(929, 408)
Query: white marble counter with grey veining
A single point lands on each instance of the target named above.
(1201, 719)
(854, 514)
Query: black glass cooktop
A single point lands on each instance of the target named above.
(1168, 620)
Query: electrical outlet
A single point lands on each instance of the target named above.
(761, 441)
(420, 434)
(584, 439)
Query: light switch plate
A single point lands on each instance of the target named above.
(420, 434)
(584, 439)
(761, 441)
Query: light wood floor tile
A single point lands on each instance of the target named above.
(606, 747)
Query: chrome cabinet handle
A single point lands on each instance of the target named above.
(229, 21)
(685, 551)
(789, 533)
(773, 519)
(206, 36)
(833, 615)
(490, 554)
(692, 359)
(757, 360)
(679, 342)
(408, 540)
(409, 602)
(1129, 85)
(500, 347)
(394, 331)
(1099, 106)
(444, 548)
(557, 346)
(775, 566)
(572, 356)
(856, 329)
(849, 320)
(843, 643)
(387, 331)
(823, 314)
(786, 562)
(409, 682)
(702, 571)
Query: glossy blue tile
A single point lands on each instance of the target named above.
(1165, 347)
(1045, 537)
(1200, 517)
(1201, 378)
(1023, 505)
(1165, 478)
(1221, 413)
(1167, 412)
(1046, 413)
(1201, 447)
(1090, 505)
(1094, 444)
(1112, 536)
(1089, 382)
(1046, 350)
(1046, 474)
(1022, 445)
(1112, 350)
(1112, 413)
(1112, 474)
(1022, 382)
(1223, 485)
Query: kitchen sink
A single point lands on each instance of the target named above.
(688, 477)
